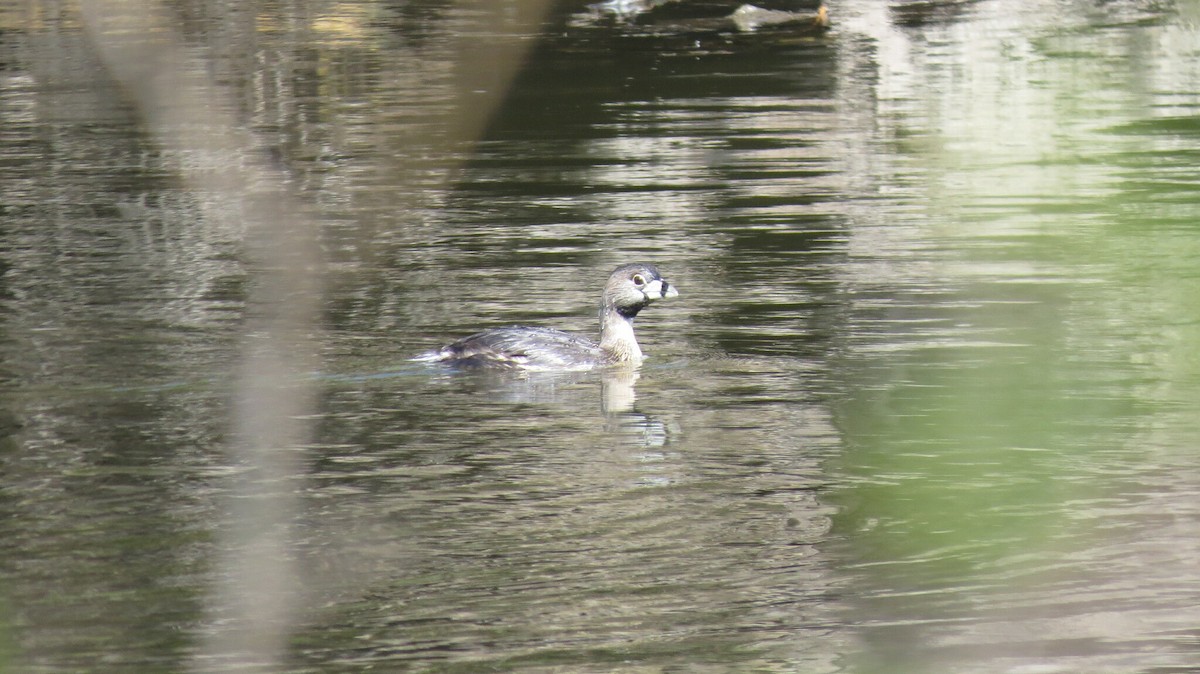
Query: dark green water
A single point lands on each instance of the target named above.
(927, 401)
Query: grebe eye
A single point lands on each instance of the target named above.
(638, 280)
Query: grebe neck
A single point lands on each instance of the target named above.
(616, 336)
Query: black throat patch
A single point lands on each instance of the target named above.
(631, 310)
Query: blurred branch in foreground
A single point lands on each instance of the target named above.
(253, 608)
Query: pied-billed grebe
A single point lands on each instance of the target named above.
(630, 289)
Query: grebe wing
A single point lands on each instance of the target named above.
(521, 347)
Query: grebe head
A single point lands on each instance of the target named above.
(633, 287)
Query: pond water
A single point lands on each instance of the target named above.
(927, 400)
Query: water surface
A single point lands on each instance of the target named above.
(925, 403)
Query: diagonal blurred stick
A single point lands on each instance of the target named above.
(255, 602)
(191, 117)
